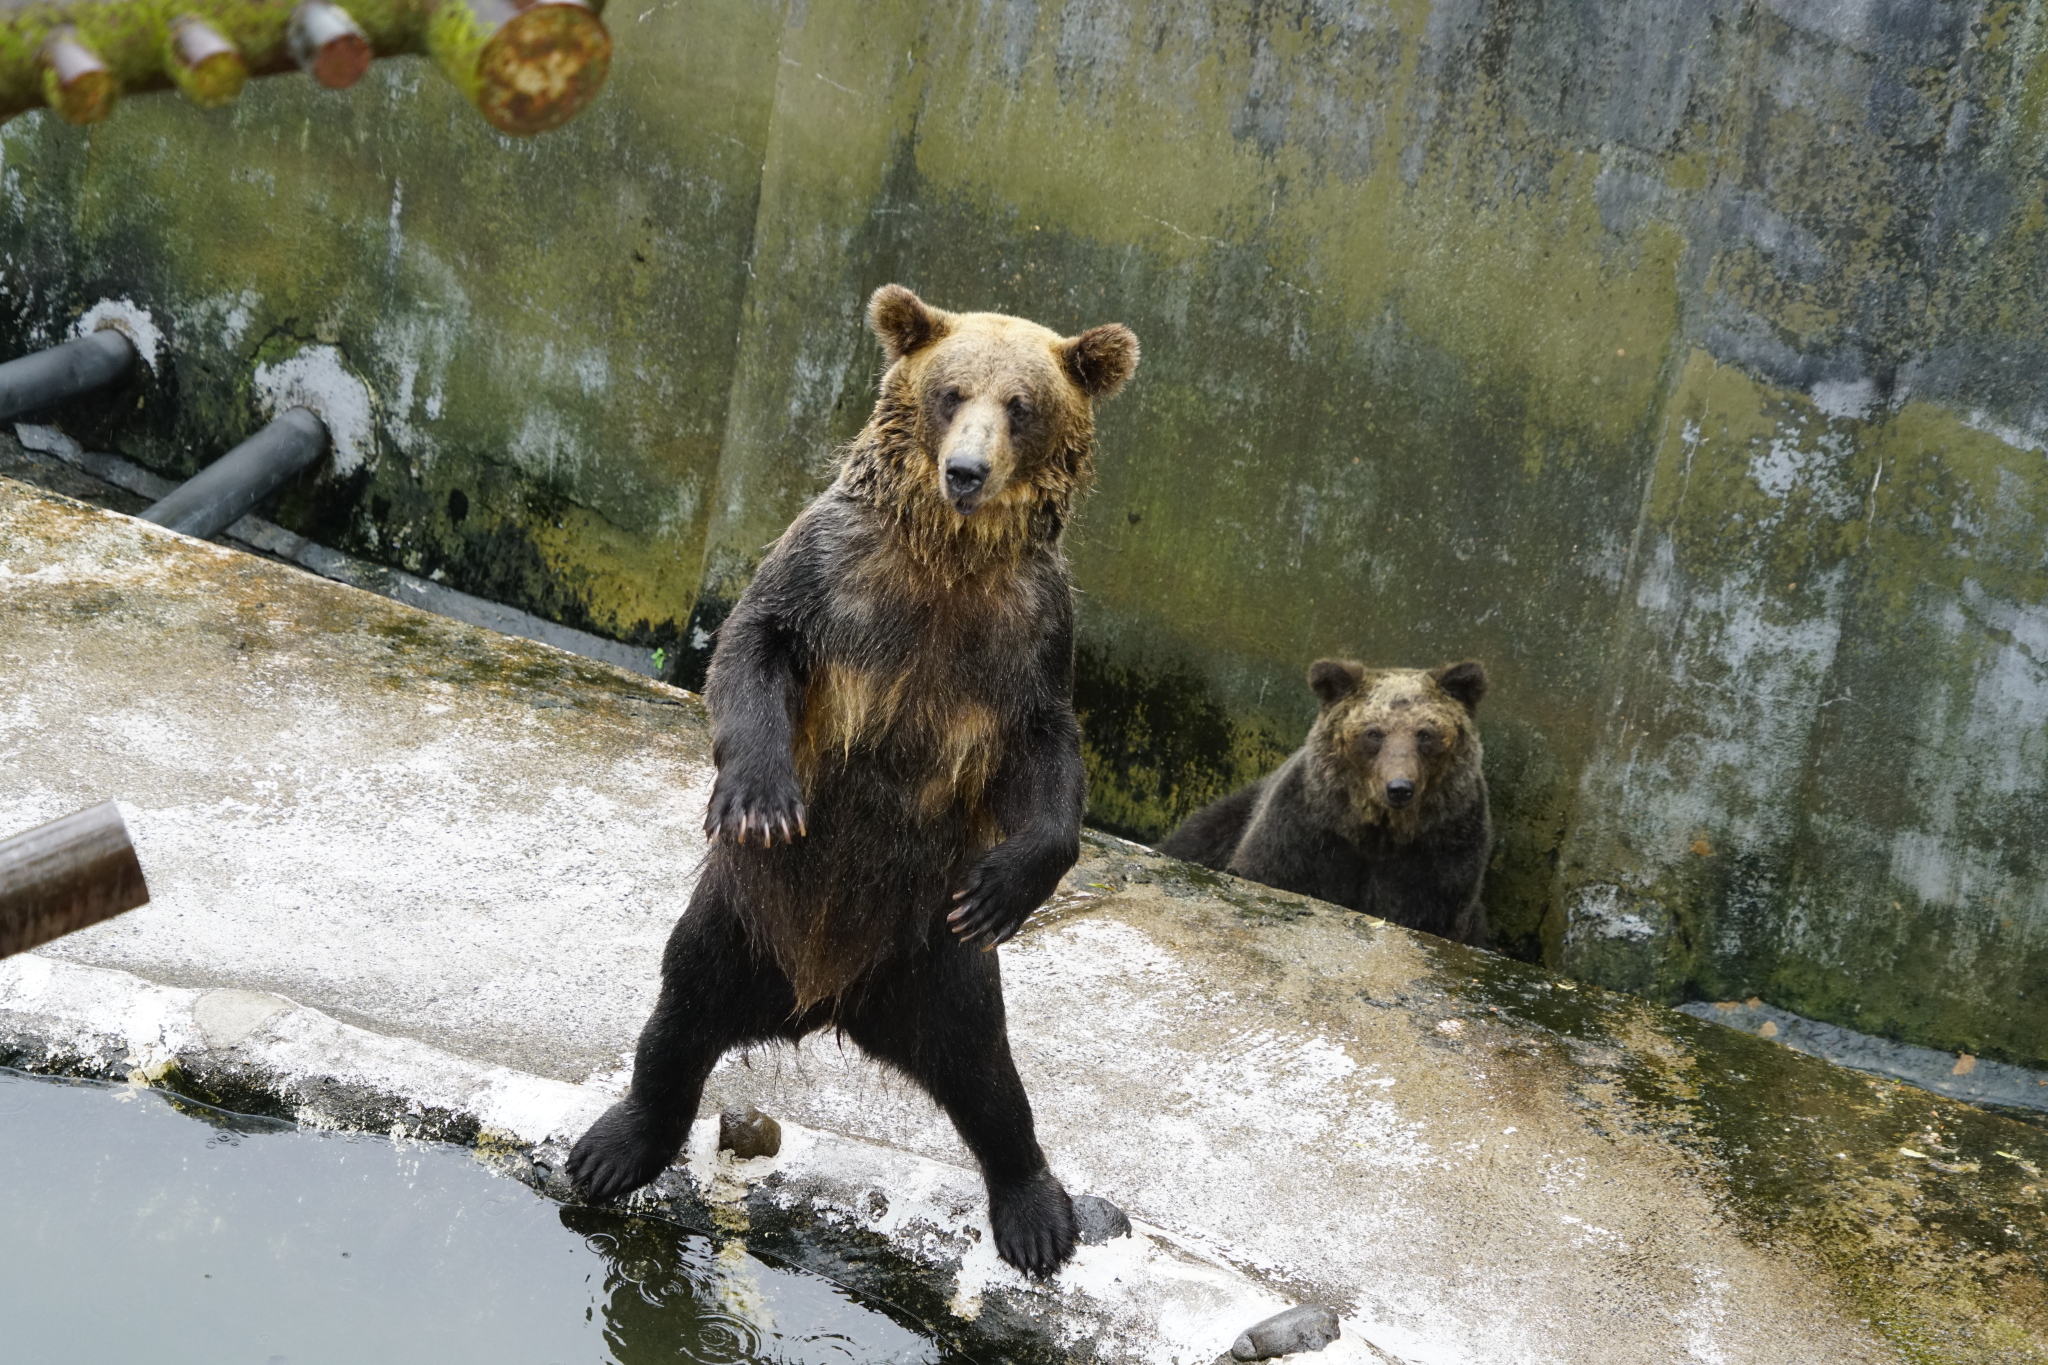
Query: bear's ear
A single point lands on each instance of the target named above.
(903, 322)
(1466, 682)
(1100, 359)
(1334, 679)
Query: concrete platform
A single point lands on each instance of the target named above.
(409, 874)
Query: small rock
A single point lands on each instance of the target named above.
(748, 1135)
(1099, 1220)
(1310, 1327)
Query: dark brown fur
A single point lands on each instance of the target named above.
(1383, 809)
(934, 637)
(897, 756)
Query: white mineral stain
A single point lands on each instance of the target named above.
(2032, 436)
(130, 319)
(317, 378)
(546, 443)
(1845, 398)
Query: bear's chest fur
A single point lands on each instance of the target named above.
(910, 682)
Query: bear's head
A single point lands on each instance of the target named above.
(984, 431)
(1397, 742)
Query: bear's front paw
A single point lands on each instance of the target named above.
(749, 804)
(1034, 1223)
(622, 1151)
(1000, 892)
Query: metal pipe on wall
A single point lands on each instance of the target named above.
(220, 494)
(62, 372)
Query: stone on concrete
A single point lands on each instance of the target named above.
(1099, 1220)
(1310, 1327)
(748, 1133)
(228, 1017)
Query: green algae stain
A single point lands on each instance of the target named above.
(1158, 745)
(549, 321)
(1412, 362)
(1370, 367)
(1925, 1217)
(1923, 1212)
(1866, 585)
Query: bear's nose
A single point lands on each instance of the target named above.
(964, 476)
(1400, 792)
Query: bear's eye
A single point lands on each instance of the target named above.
(1020, 412)
(949, 403)
(1428, 739)
(1373, 737)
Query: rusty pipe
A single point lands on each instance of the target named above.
(203, 63)
(66, 875)
(328, 44)
(526, 65)
(77, 367)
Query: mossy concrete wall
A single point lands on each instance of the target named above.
(1688, 364)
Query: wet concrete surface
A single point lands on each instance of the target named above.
(49, 459)
(2018, 1091)
(47, 471)
(472, 848)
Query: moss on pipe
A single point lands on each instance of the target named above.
(527, 70)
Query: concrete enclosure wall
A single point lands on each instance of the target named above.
(1688, 364)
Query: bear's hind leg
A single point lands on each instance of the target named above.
(939, 1020)
(715, 995)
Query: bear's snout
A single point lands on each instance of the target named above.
(1400, 792)
(966, 476)
(975, 457)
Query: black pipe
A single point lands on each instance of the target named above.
(218, 495)
(46, 377)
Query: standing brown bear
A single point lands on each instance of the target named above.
(1383, 809)
(892, 720)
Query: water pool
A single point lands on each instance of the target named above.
(136, 1226)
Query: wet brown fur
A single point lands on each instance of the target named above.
(1324, 824)
(957, 577)
(899, 767)
(892, 464)
(1376, 732)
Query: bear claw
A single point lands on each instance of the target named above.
(742, 807)
(998, 894)
(1034, 1224)
(619, 1153)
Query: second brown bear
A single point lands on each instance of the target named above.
(1383, 809)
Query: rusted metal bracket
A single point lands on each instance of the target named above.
(527, 65)
(65, 875)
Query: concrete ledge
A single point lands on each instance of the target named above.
(410, 873)
(255, 1052)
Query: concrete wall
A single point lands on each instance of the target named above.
(1686, 363)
